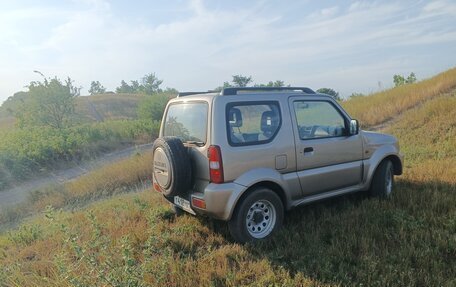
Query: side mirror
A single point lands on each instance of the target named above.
(354, 127)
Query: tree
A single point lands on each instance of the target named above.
(237, 81)
(9, 106)
(152, 108)
(48, 103)
(135, 87)
(241, 81)
(400, 80)
(411, 78)
(124, 88)
(330, 92)
(150, 84)
(96, 88)
(277, 83)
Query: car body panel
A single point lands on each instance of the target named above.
(338, 165)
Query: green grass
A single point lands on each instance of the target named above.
(433, 125)
(135, 240)
(408, 241)
(26, 152)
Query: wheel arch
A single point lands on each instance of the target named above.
(397, 167)
(271, 185)
(397, 163)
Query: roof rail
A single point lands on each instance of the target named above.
(234, 91)
(183, 94)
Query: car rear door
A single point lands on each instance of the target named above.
(327, 157)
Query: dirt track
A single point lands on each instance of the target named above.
(19, 193)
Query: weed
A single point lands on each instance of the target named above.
(25, 235)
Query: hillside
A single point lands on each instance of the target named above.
(100, 107)
(109, 106)
(408, 240)
(383, 106)
(103, 123)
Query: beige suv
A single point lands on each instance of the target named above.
(246, 155)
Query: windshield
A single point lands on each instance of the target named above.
(187, 121)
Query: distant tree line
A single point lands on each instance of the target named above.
(149, 84)
(51, 102)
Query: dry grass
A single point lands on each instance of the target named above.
(110, 106)
(119, 177)
(135, 240)
(380, 107)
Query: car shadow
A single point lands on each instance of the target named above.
(355, 239)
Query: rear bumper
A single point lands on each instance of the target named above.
(220, 200)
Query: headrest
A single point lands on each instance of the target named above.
(269, 121)
(235, 117)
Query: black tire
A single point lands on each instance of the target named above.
(179, 171)
(239, 222)
(382, 184)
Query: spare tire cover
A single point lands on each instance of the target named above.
(172, 166)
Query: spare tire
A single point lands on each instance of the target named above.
(172, 167)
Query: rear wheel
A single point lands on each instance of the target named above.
(257, 217)
(172, 166)
(383, 182)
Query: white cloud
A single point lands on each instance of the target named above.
(440, 8)
(334, 45)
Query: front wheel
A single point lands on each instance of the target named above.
(258, 216)
(383, 182)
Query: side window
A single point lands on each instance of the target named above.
(252, 123)
(318, 119)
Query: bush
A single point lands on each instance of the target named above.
(151, 108)
(30, 150)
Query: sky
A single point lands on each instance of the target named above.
(350, 46)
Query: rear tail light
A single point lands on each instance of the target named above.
(197, 202)
(215, 164)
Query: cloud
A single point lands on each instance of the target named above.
(334, 46)
(440, 8)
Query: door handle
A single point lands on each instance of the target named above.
(308, 149)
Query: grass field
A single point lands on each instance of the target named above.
(380, 107)
(118, 177)
(26, 153)
(135, 239)
(109, 106)
(102, 123)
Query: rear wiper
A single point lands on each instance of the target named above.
(197, 143)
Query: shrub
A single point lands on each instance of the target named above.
(24, 152)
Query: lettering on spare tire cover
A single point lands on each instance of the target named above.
(162, 173)
(160, 164)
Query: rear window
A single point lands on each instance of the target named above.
(252, 122)
(188, 121)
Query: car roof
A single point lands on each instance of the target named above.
(208, 96)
